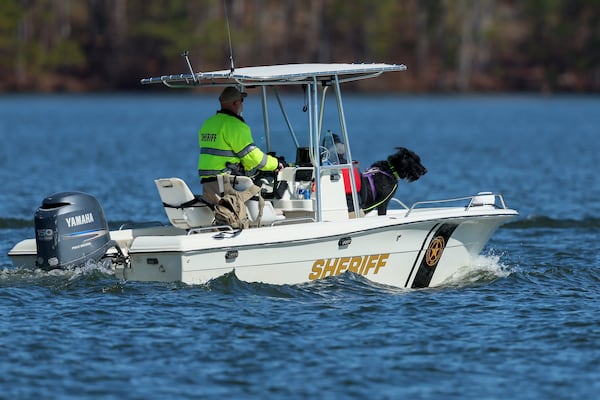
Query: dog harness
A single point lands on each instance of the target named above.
(369, 175)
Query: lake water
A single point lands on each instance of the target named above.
(523, 323)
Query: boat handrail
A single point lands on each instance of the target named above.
(140, 225)
(221, 228)
(467, 207)
(395, 200)
(292, 220)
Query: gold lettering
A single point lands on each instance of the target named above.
(362, 265)
(382, 261)
(371, 263)
(355, 264)
(316, 270)
(329, 269)
(342, 265)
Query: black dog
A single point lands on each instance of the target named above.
(380, 181)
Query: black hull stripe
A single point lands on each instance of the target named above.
(432, 255)
(419, 253)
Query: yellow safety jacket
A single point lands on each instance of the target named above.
(226, 138)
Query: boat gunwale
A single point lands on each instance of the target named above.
(366, 230)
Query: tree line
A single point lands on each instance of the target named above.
(448, 45)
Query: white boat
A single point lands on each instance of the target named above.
(305, 232)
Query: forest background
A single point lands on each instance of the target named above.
(544, 46)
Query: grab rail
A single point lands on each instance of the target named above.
(292, 221)
(139, 225)
(220, 228)
(399, 202)
(485, 196)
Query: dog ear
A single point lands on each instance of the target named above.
(409, 153)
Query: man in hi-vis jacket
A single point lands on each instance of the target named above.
(226, 143)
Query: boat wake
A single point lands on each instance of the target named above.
(345, 284)
(56, 278)
(483, 269)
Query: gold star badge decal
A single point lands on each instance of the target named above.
(434, 252)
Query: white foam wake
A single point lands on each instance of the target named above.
(481, 269)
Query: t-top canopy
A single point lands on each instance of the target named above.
(278, 74)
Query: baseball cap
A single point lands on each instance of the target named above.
(230, 94)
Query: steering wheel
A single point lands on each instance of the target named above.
(324, 154)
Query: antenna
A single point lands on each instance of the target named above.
(189, 64)
(229, 36)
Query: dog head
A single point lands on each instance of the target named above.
(407, 164)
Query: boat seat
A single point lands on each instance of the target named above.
(183, 209)
(270, 214)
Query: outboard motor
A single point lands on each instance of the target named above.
(70, 228)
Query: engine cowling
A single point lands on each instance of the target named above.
(70, 228)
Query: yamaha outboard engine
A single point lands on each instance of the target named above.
(70, 228)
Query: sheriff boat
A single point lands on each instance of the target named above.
(305, 231)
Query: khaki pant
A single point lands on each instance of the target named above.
(210, 191)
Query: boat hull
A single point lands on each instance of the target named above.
(383, 249)
(419, 250)
(304, 230)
